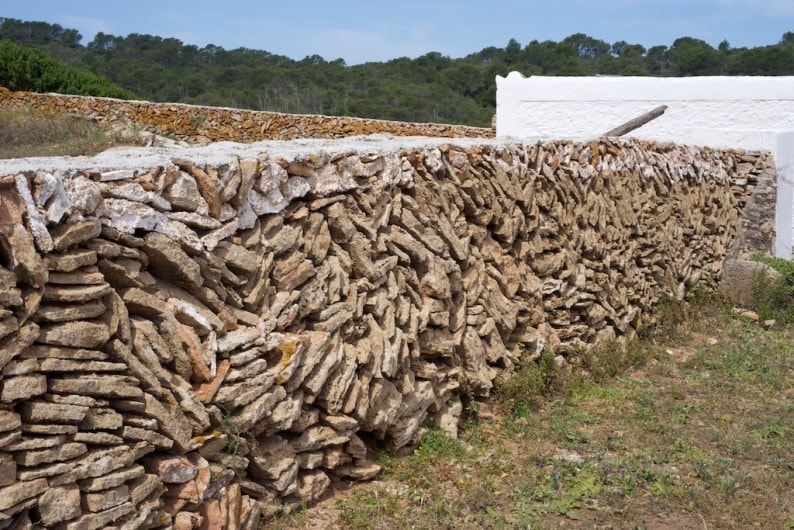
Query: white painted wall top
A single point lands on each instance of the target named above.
(754, 113)
(586, 107)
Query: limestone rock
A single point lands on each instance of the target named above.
(207, 391)
(243, 393)
(43, 412)
(172, 422)
(71, 260)
(364, 470)
(272, 457)
(8, 469)
(17, 343)
(63, 453)
(76, 334)
(292, 272)
(238, 338)
(98, 520)
(8, 326)
(35, 220)
(153, 438)
(316, 437)
(187, 521)
(142, 487)
(251, 414)
(68, 312)
(112, 479)
(183, 193)
(75, 293)
(99, 462)
(108, 386)
(24, 259)
(84, 195)
(140, 302)
(169, 262)
(128, 216)
(23, 387)
(171, 469)
(741, 280)
(237, 257)
(65, 236)
(51, 195)
(20, 491)
(312, 486)
(101, 418)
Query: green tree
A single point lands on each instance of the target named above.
(658, 61)
(586, 46)
(29, 69)
(552, 58)
(689, 57)
(768, 60)
(38, 33)
(431, 87)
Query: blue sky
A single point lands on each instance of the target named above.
(359, 31)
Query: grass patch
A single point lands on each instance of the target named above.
(775, 299)
(25, 133)
(690, 426)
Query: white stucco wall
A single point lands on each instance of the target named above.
(754, 113)
(784, 213)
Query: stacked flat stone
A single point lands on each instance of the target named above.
(197, 123)
(200, 346)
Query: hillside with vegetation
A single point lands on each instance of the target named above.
(429, 88)
(23, 68)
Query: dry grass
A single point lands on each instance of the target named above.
(26, 133)
(697, 432)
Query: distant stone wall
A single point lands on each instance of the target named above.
(202, 124)
(189, 344)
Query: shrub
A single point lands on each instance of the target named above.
(534, 381)
(31, 70)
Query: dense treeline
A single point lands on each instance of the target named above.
(24, 68)
(433, 87)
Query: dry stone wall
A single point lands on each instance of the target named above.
(201, 345)
(202, 124)
(756, 231)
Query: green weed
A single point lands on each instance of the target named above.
(366, 509)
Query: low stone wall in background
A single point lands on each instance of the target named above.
(192, 344)
(202, 124)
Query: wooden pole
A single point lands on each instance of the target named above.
(637, 122)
